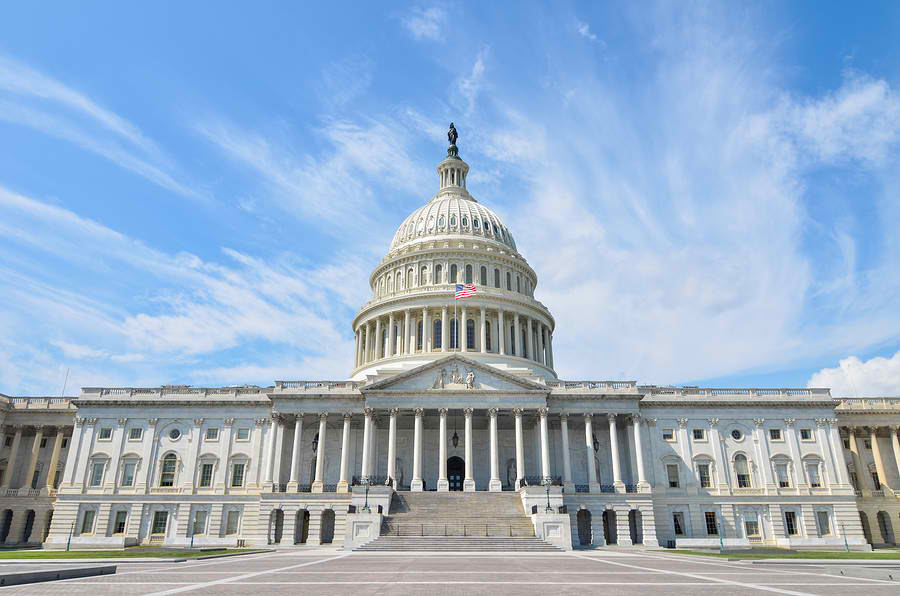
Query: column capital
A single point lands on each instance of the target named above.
(442, 411)
(542, 412)
(651, 421)
(419, 412)
(323, 416)
(635, 418)
(588, 415)
(759, 422)
(347, 415)
(713, 422)
(833, 422)
(517, 412)
(123, 421)
(369, 412)
(492, 412)
(230, 421)
(682, 422)
(821, 422)
(196, 421)
(393, 411)
(275, 417)
(468, 412)
(563, 415)
(789, 422)
(259, 421)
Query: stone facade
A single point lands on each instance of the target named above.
(433, 404)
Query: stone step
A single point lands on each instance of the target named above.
(471, 544)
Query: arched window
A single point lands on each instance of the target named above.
(436, 334)
(508, 281)
(483, 275)
(487, 336)
(468, 274)
(454, 335)
(390, 285)
(496, 278)
(465, 221)
(470, 334)
(441, 222)
(409, 278)
(438, 274)
(518, 284)
(742, 471)
(452, 221)
(167, 470)
(475, 222)
(419, 335)
(423, 276)
(453, 273)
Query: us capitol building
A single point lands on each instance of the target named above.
(453, 423)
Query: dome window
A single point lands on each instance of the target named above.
(452, 221)
(475, 222)
(465, 221)
(431, 222)
(441, 222)
(496, 233)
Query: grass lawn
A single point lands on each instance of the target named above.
(131, 552)
(789, 554)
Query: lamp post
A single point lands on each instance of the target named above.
(844, 532)
(365, 482)
(547, 482)
(721, 535)
(69, 541)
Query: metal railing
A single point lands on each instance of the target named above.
(539, 481)
(373, 481)
(469, 530)
(582, 488)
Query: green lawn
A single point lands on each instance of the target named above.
(132, 552)
(788, 554)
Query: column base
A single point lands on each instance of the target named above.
(292, 487)
(416, 485)
(495, 486)
(519, 483)
(267, 486)
(443, 485)
(468, 486)
(594, 488)
(317, 487)
(343, 486)
(619, 486)
(569, 487)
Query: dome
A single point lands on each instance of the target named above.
(452, 215)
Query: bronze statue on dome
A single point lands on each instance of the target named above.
(452, 135)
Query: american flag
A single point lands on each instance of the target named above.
(465, 291)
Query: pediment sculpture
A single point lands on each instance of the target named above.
(453, 379)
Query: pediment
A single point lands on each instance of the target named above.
(455, 373)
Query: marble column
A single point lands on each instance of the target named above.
(830, 477)
(54, 457)
(379, 339)
(444, 329)
(593, 485)
(318, 484)
(392, 447)
(294, 482)
(715, 440)
(549, 348)
(567, 457)
(494, 485)
(417, 484)
(464, 332)
(614, 451)
(837, 448)
(501, 333)
(426, 331)
(520, 449)
(516, 343)
(443, 484)
(876, 456)
(368, 342)
(469, 481)
(483, 330)
(392, 337)
(367, 434)
(35, 454)
(409, 333)
(540, 347)
(530, 331)
(896, 448)
(343, 485)
(359, 340)
(273, 444)
(639, 452)
(545, 447)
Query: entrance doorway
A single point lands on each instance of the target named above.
(583, 518)
(301, 527)
(276, 526)
(456, 472)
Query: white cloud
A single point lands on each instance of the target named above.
(426, 23)
(585, 31)
(345, 80)
(854, 378)
(470, 86)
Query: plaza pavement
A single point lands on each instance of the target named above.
(328, 571)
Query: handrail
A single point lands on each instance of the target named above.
(485, 530)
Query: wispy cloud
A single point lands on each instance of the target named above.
(856, 378)
(426, 23)
(470, 85)
(30, 98)
(585, 31)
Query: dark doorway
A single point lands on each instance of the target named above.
(584, 527)
(301, 529)
(5, 525)
(456, 472)
(609, 526)
(327, 526)
(636, 526)
(867, 531)
(29, 525)
(277, 526)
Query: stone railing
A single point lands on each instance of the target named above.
(172, 390)
(42, 403)
(866, 404)
(317, 386)
(730, 391)
(593, 385)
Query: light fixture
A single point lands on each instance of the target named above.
(596, 443)
(315, 443)
(455, 438)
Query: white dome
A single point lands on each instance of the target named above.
(452, 215)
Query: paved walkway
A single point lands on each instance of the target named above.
(337, 572)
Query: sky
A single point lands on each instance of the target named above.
(195, 193)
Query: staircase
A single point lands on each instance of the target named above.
(457, 521)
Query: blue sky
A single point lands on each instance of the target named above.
(195, 194)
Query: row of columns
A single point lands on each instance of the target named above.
(866, 482)
(39, 431)
(402, 340)
(417, 484)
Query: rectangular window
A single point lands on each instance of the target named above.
(867, 443)
(712, 528)
(231, 522)
(790, 523)
(775, 434)
(128, 473)
(823, 523)
(703, 471)
(105, 434)
(813, 471)
(672, 471)
(167, 472)
(751, 523)
(237, 475)
(159, 522)
(806, 434)
(43, 443)
(854, 481)
(875, 480)
(678, 522)
(206, 473)
(243, 434)
(847, 444)
(7, 441)
(96, 474)
(668, 434)
(87, 521)
(699, 434)
(135, 433)
(199, 523)
(34, 478)
(212, 433)
(781, 472)
(65, 443)
(119, 523)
